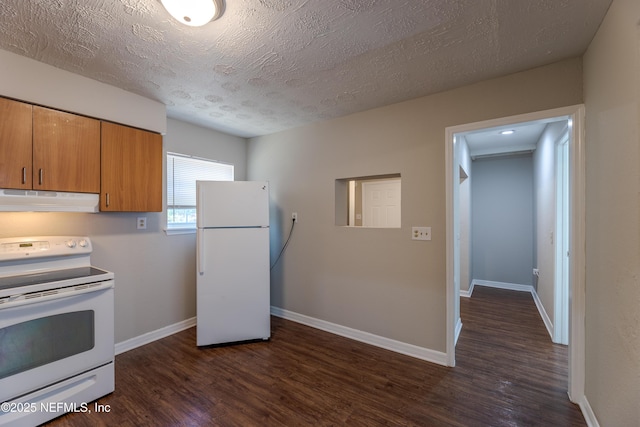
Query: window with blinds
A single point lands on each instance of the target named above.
(182, 173)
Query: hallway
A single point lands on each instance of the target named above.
(513, 366)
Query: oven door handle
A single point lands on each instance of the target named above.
(48, 295)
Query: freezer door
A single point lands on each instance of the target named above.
(232, 203)
(232, 285)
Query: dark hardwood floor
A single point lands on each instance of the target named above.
(508, 373)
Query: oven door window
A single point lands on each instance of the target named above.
(37, 342)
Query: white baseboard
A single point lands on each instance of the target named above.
(143, 339)
(397, 346)
(458, 330)
(467, 294)
(502, 285)
(521, 288)
(587, 412)
(543, 313)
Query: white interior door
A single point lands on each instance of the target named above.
(381, 203)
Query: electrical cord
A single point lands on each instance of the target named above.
(293, 224)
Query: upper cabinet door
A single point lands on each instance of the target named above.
(131, 169)
(66, 152)
(15, 144)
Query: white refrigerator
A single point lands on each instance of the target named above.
(232, 286)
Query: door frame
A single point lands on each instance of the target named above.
(575, 115)
(562, 244)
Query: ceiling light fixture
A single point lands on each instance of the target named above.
(507, 132)
(194, 13)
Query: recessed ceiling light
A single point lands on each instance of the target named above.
(507, 132)
(194, 13)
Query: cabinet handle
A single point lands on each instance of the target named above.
(24, 175)
(107, 194)
(40, 176)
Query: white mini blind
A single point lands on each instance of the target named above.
(182, 174)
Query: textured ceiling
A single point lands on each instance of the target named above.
(491, 141)
(270, 65)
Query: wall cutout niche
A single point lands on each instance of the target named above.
(369, 201)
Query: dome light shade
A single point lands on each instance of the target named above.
(194, 13)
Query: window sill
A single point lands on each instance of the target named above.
(175, 231)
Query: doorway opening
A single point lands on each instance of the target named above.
(458, 155)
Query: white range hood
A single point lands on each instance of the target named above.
(47, 201)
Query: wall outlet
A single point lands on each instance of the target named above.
(420, 233)
(536, 272)
(141, 223)
(294, 216)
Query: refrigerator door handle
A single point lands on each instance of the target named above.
(200, 250)
(200, 215)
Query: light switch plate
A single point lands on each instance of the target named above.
(420, 233)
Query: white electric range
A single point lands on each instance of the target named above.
(56, 329)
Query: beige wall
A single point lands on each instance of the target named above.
(612, 99)
(379, 280)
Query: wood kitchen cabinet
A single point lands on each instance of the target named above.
(131, 169)
(15, 144)
(66, 152)
(44, 149)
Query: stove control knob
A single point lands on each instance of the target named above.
(83, 243)
(71, 243)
